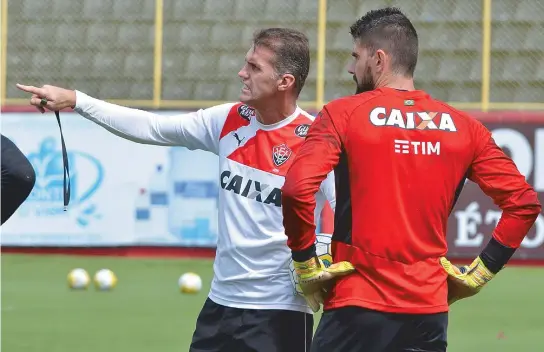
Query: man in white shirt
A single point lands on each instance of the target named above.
(251, 304)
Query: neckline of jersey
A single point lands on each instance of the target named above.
(404, 93)
(281, 123)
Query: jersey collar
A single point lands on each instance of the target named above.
(281, 123)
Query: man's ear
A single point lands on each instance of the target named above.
(381, 60)
(286, 81)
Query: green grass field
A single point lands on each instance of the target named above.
(146, 312)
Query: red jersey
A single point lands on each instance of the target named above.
(400, 160)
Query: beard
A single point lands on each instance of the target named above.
(366, 84)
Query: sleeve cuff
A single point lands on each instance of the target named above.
(82, 100)
(304, 255)
(495, 255)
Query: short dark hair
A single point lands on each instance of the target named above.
(292, 51)
(389, 29)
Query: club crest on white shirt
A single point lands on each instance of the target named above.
(280, 154)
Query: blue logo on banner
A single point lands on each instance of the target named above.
(86, 175)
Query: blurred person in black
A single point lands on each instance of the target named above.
(18, 178)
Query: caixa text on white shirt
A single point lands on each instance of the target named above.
(260, 192)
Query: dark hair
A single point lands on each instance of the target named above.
(389, 29)
(292, 51)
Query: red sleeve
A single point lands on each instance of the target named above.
(327, 219)
(499, 178)
(318, 156)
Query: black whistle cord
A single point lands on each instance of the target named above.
(66, 183)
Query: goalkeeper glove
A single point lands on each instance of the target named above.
(314, 278)
(465, 281)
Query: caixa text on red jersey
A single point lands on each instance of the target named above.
(421, 120)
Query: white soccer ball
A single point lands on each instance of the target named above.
(78, 279)
(190, 283)
(105, 280)
(323, 251)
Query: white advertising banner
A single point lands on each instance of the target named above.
(125, 193)
(122, 193)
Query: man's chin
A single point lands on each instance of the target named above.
(245, 98)
(249, 101)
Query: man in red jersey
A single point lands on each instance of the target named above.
(400, 159)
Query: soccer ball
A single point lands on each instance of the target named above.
(78, 279)
(323, 251)
(105, 280)
(190, 283)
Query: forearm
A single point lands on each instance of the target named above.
(514, 225)
(298, 217)
(132, 124)
(507, 237)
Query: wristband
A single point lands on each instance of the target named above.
(304, 255)
(495, 255)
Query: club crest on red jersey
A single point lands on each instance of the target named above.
(246, 112)
(280, 154)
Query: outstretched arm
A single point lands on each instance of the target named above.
(196, 130)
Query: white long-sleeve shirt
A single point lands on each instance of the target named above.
(251, 264)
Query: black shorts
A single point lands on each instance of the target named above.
(220, 328)
(363, 330)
